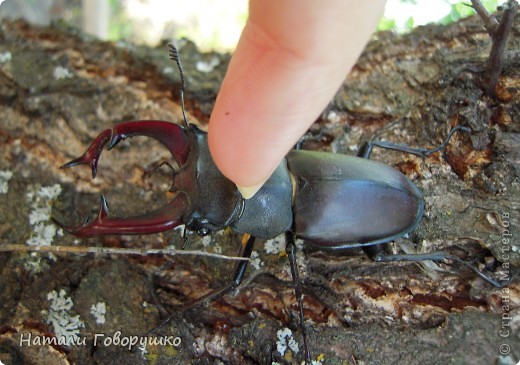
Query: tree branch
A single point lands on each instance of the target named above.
(112, 250)
(499, 33)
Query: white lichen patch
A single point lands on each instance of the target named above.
(99, 310)
(313, 362)
(66, 326)
(217, 249)
(143, 351)
(207, 66)
(333, 117)
(256, 262)
(286, 339)
(206, 241)
(300, 258)
(125, 45)
(5, 57)
(61, 72)
(299, 244)
(275, 245)
(33, 264)
(210, 244)
(5, 176)
(40, 200)
(168, 70)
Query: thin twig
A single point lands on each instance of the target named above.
(113, 250)
(490, 22)
(499, 32)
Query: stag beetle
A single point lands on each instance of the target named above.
(332, 201)
(347, 194)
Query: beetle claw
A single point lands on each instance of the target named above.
(91, 155)
(102, 214)
(159, 220)
(103, 208)
(169, 134)
(175, 139)
(116, 138)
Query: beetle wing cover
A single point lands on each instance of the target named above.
(344, 200)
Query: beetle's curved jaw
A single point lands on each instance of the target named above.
(159, 220)
(176, 140)
(171, 135)
(91, 155)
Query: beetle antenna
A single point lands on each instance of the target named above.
(173, 53)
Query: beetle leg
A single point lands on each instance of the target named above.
(236, 279)
(152, 170)
(290, 249)
(366, 149)
(159, 220)
(439, 256)
(171, 135)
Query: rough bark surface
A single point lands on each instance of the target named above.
(59, 89)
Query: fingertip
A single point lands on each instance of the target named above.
(285, 69)
(248, 192)
(244, 156)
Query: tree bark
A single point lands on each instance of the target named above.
(59, 89)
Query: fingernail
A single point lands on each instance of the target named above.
(249, 191)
